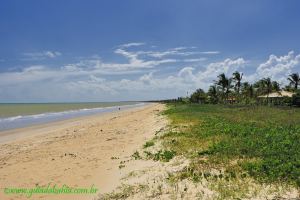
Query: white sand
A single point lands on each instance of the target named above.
(75, 152)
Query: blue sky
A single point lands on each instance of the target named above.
(137, 49)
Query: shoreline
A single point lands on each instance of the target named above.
(44, 128)
(54, 152)
(23, 121)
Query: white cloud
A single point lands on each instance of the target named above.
(194, 59)
(187, 74)
(277, 68)
(87, 80)
(228, 66)
(178, 51)
(141, 76)
(40, 55)
(133, 44)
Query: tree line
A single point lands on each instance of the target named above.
(234, 90)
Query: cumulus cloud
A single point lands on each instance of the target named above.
(277, 68)
(75, 81)
(141, 76)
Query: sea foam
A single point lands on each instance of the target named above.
(27, 120)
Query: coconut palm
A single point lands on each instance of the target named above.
(275, 86)
(222, 81)
(260, 87)
(237, 78)
(198, 96)
(288, 88)
(294, 80)
(264, 87)
(228, 86)
(225, 85)
(213, 94)
(268, 84)
(247, 90)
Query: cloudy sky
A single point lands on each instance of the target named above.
(62, 51)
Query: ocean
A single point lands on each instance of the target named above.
(19, 115)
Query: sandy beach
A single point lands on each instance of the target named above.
(78, 152)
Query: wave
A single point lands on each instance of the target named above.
(26, 120)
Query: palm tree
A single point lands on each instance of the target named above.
(275, 86)
(228, 87)
(198, 96)
(260, 87)
(251, 91)
(264, 86)
(288, 88)
(268, 87)
(213, 94)
(237, 77)
(225, 85)
(247, 91)
(222, 81)
(294, 80)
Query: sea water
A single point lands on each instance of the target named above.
(17, 115)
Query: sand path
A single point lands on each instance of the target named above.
(75, 152)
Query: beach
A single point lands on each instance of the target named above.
(82, 152)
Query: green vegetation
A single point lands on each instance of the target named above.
(121, 166)
(148, 144)
(259, 141)
(232, 90)
(161, 155)
(136, 155)
(125, 192)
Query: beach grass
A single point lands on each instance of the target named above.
(260, 142)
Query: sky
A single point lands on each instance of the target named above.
(109, 50)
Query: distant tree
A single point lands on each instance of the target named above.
(294, 80)
(237, 78)
(275, 86)
(225, 85)
(260, 87)
(247, 91)
(288, 88)
(268, 87)
(263, 86)
(198, 96)
(296, 98)
(228, 87)
(213, 94)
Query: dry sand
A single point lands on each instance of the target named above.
(75, 152)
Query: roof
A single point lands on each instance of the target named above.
(278, 94)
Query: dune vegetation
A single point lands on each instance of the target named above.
(257, 141)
